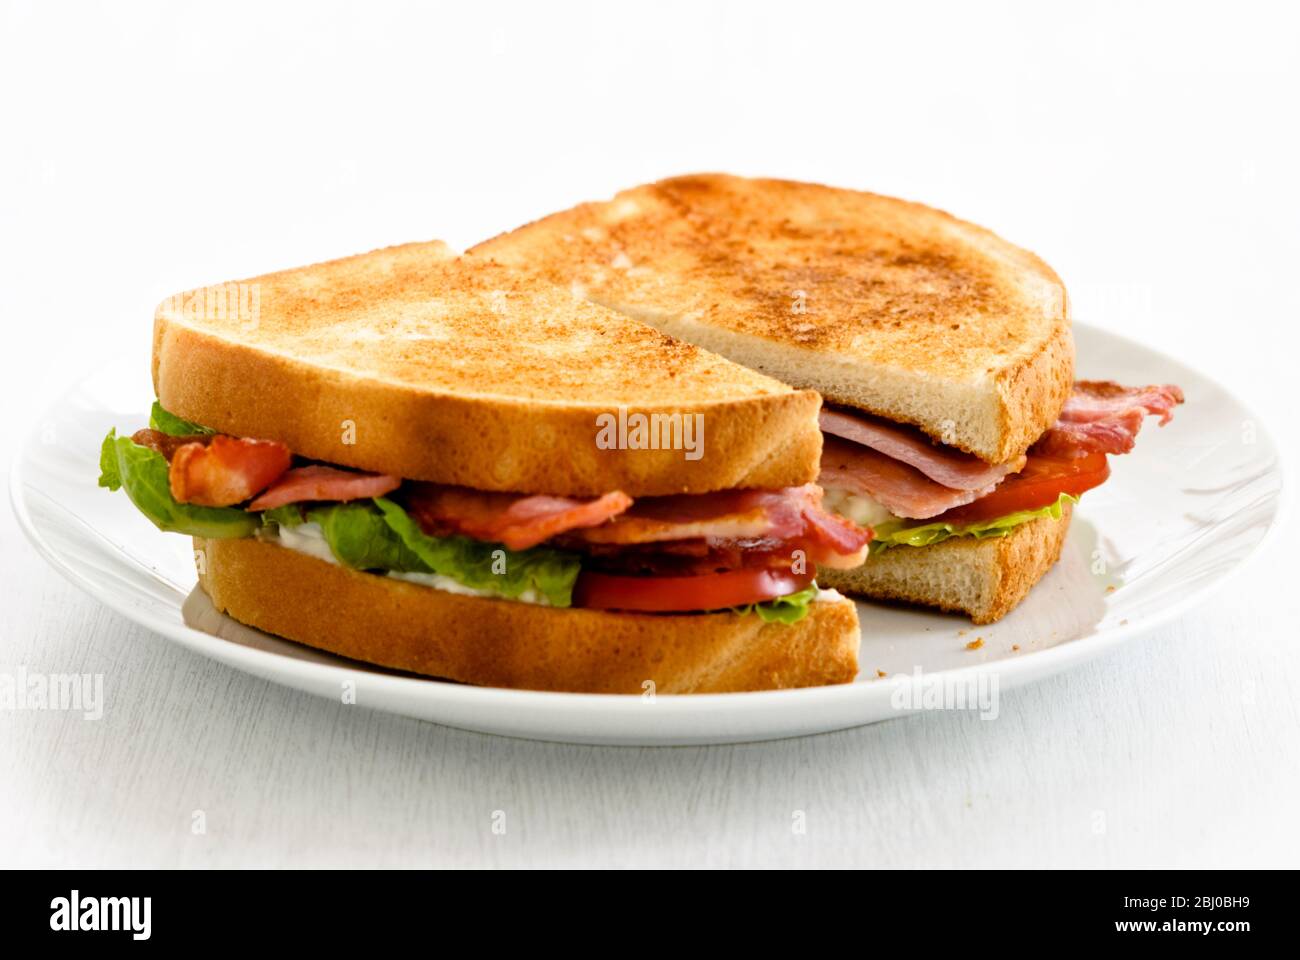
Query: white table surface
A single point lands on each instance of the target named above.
(1150, 155)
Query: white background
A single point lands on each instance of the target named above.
(1148, 152)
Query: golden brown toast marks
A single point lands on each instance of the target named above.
(414, 362)
(878, 303)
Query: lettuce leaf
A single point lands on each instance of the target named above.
(142, 473)
(909, 533)
(169, 423)
(487, 566)
(109, 474)
(290, 515)
(788, 609)
(359, 538)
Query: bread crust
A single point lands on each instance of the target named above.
(1032, 394)
(504, 643)
(984, 578)
(396, 362)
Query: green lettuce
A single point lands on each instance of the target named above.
(142, 473)
(373, 535)
(359, 537)
(908, 533)
(487, 566)
(290, 515)
(788, 609)
(169, 423)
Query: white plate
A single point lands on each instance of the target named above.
(1177, 516)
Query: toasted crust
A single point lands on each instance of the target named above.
(413, 362)
(880, 304)
(983, 578)
(503, 643)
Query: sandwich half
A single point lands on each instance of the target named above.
(953, 422)
(449, 467)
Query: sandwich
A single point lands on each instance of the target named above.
(450, 467)
(953, 424)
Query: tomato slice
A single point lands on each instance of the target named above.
(1040, 483)
(714, 591)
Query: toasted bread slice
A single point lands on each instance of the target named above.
(983, 578)
(883, 305)
(504, 643)
(413, 362)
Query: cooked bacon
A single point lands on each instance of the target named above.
(165, 443)
(225, 471)
(714, 530)
(903, 490)
(838, 543)
(1104, 417)
(515, 520)
(943, 464)
(1098, 399)
(725, 514)
(913, 478)
(783, 520)
(317, 482)
(687, 558)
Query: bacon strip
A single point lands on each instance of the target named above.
(687, 558)
(916, 479)
(319, 482)
(720, 526)
(942, 464)
(902, 489)
(512, 519)
(778, 521)
(836, 542)
(165, 443)
(1104, 417)
(730, 513)
(225, 471)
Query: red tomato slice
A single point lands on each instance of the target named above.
(1039, 484)
(714, 591)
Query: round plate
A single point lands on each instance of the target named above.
(1185, 509)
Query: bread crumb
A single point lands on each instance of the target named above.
(881, 673)
(975, 644)
(1124, 622)
(961, 633)
(1111, 588)
(1015, 647)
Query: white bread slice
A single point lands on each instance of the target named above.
(413, 362)
(877, 303)
(504, 643)
(983, 578)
